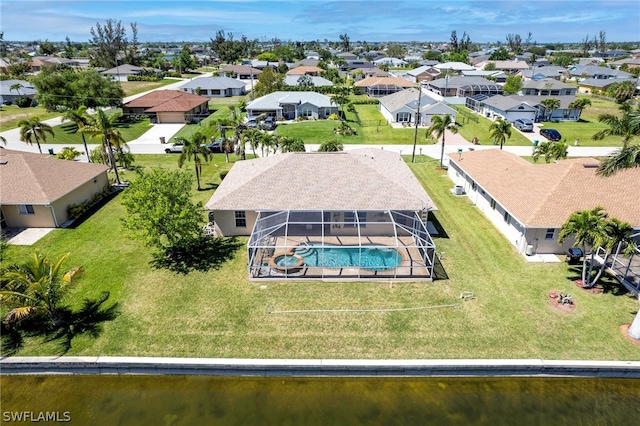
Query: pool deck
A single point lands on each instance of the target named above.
(320, 367)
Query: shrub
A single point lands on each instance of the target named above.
(223, 174)
(76, 210)
(69, 153)
(23, 101)
(334, 117)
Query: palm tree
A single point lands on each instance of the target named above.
(253, 137)
(618, 236)
(103, 126)
(222, 125)
(550, 151)
(16, 87)
(80, 118)
(34, 289)
(588, 229)
(340, 100)
(580, 104)
(624, 158)
(627, 126)
(193, 148)
(33, 129)
(270, 142)
(549, 105)
(439, 125)
(332, 145)
(288, 144)
(500, 131)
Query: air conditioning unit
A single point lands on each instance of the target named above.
(458, 190)
(529, 250)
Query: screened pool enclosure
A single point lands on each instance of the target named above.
(340, 245)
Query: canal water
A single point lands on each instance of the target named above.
(215, 400)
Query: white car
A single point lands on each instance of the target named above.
(174, 147)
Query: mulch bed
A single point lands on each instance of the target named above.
(593, 290)
(624, 328)
(559, 307)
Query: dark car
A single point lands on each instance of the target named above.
(216, 146)
(551, 134)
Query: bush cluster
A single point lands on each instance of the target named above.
(76, 210)
(144, 78)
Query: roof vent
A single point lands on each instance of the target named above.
(590, 165)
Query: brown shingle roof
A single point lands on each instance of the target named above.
(303, 70)
(363, 179)
(27, 178)
(374, 81)
(544, 195)
(167, 100)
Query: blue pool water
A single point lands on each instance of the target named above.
(370, 257)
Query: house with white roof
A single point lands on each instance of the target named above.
(291, 105)
(214, 87)
(306, 220)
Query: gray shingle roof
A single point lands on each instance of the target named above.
(276, 99)
(399, 99)
(506, 103)
(215, 83)
(547, 84)
(292, 80)
(362, 179)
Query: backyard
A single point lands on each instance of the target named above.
(220, 313)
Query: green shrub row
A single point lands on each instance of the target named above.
(74, 211)
(325, 90)
(144, 78)
(362, 101)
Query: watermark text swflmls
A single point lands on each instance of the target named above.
(36, 416)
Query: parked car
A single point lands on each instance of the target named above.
(174, 147)
(551, 134)
(216, 146)
(523, 124)
(252, 122)
(269, 123)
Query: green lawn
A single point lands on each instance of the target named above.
(135, 87)
(67, 132)
(220, 313)
(470, 129)
(11, 115)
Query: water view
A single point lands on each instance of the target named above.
(201, 400)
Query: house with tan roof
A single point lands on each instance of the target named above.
(241, 72)
(529, 203)
(169, 106)
(300, 208)
(305, 70)
(36, 190)
(377, 87)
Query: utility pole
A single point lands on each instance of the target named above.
(415, 134)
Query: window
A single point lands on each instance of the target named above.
(550, 233)
(493, 204)
(26, 209)
(241, 219)
(215, 91)
(403, 117)
(507, 217)
(307, 113)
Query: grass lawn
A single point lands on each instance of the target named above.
(67, 132)
(220, 313)
(470, 129)
(135, 87)
(11, 115)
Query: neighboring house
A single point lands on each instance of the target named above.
(309, 62)
(37, 62)
(509, 108)
(630, 62)
(291, 105)
(302, 204)
(548, 87)
(347, 56)
(499, 76)
(36, 189)
(313, 55)
(9, 93)
(305, 70)
(461, 86)
(357, 63)
(509, 67)
(479, 59)
(563, 113)
(294, 80)
(214, 87)
(454, 66)
(402, 107)
(376, 87)
(241, 72)
(169, 106)
(261, 65)
(423, 73)
(540, 73)
(362, 73)
(612, 54)
(392, 62)
(590, 61)
(122, 72)
(595, 85)
(529, 203)
(581, 72)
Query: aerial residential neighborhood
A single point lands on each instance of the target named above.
(236, 196)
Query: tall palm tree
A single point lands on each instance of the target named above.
(627, 126)
(549, 105)
(16, 87)
(439, 125)
(80, 118)
(550, 151)
(288, 144)
(222, 125)
(270, 142)
(617, 234)
(500, 131)
(580, 104)
(331, 145)
(33, 129)
(624, 158)
(193, 148)
(253, 137)
(34, 289)
(103, 126)
(340, 99)
(588, 229)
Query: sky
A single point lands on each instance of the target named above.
(485, 21)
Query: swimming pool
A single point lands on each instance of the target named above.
(368, 256)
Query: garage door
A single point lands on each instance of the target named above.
(170, 117)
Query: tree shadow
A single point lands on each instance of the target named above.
(209, 186)
(202, 255)
(68, 324)
(86, 320)
(607, 283)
